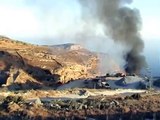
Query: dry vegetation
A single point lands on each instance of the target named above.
(136, 106)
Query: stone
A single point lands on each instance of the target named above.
(83, 92)
(136, 96)
(38, 102)
(80, 107)
(116, 103)
(126, 109)
(12, 107)
(85, 106)
(57, 106)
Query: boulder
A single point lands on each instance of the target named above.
(38, 101)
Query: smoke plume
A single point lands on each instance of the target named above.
(122, 24)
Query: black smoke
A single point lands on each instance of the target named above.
(134, 62)
(122, 24)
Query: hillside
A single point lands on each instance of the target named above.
(26, 66)
(22, 63)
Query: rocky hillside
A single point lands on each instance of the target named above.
(44, 65)
(28, 65)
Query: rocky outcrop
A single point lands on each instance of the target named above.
(72, 72)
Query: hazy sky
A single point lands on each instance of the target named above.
(53, 21)
(150, 12)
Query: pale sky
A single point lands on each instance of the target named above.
(34, 20)
(150, 12)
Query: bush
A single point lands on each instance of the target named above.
(14, 99)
